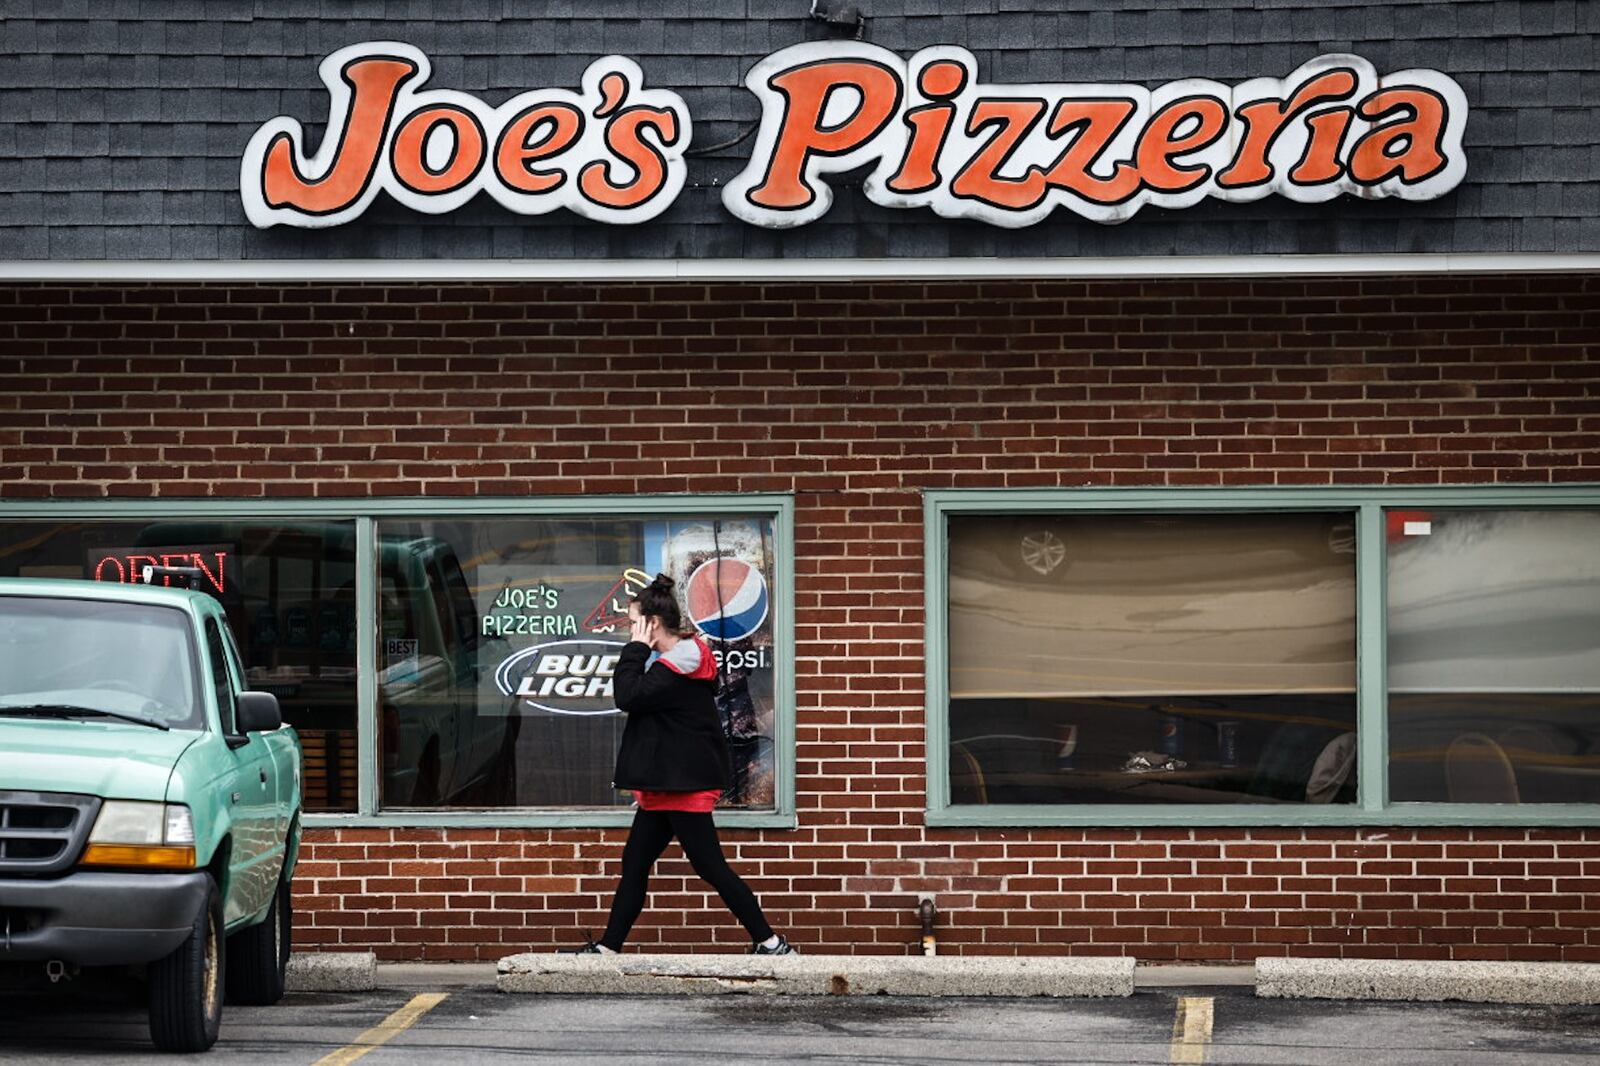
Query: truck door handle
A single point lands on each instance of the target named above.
(263, 777)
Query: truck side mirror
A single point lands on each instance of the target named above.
(258, 712)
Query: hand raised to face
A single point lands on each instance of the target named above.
(643, 629)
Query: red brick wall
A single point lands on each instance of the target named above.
(854, 397)
(848, 886)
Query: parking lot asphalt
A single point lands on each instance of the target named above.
(428, 1027)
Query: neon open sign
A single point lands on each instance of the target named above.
(126, 565)
(932, 134)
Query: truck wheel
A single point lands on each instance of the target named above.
(258, 957)
(186, 986)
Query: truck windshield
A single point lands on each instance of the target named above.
(133, 660)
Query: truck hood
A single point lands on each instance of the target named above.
(109, 759)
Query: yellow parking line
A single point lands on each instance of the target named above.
(386, 1030)
(1191, 1029)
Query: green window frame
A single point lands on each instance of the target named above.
(366, 513)
(1372, 806)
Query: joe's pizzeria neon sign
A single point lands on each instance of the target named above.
(932, 134)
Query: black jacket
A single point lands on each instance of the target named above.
(673, 741)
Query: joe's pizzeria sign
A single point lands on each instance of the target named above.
(929, 133)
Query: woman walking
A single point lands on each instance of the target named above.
(675, 760)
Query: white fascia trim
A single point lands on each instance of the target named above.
(699, 270)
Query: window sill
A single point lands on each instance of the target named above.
(530, 819)
(1248, 816)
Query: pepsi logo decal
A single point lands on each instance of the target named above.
(727, 598)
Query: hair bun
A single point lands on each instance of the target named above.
(663, 582)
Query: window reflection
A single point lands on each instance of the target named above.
(1494, 656)
(498, 638)
(439, 746)
(1152, 659)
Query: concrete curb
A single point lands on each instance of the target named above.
(816, 975)
(436, 975)
(1162, 975)
(1479, 982)
(355, 971)
(1473, 982)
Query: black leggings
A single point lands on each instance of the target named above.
(651, 832)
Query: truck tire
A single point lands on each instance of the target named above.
(258, 957)
(186, 986)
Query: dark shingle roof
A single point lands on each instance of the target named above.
(122, 121)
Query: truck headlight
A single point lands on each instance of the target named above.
(130, 833)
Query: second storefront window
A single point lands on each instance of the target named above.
(1257, 657)
(1119, 658)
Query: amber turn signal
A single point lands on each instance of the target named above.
(144, 856)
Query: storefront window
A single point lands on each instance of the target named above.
(289, 592)
(1494, 656)
(497, 639)
(1152, 659)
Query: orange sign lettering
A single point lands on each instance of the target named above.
(612, 152)
(926, 130)
(1009, 155)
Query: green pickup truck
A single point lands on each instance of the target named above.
(149, 806)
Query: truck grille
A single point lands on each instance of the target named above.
(43, 832)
